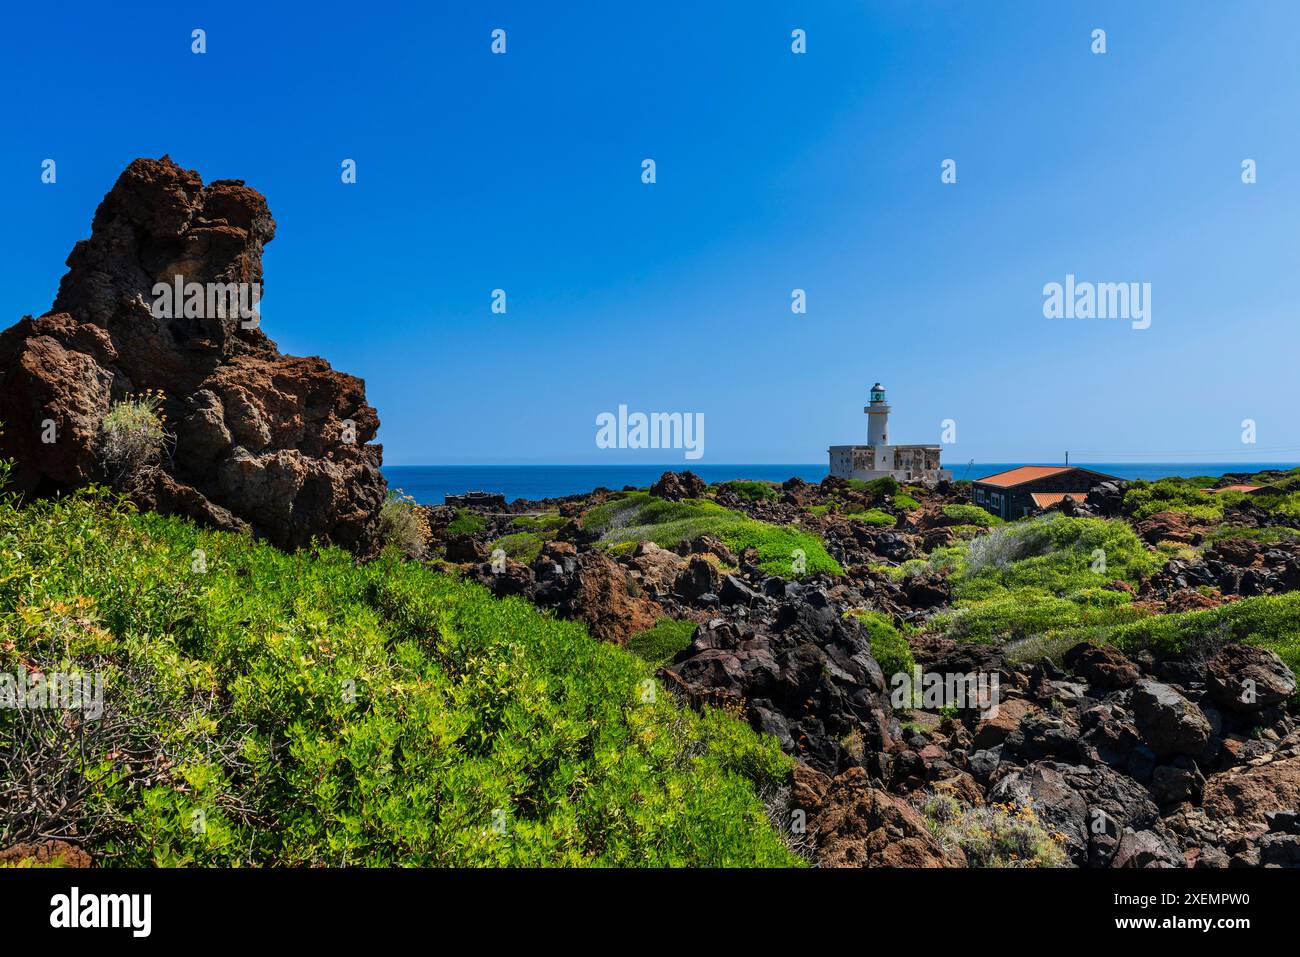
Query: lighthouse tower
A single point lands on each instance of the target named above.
(877, 417)
(878, 458)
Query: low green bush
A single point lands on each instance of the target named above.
(886, 485)
(267, 709)
(545, 522)
(1188, 496)
(1020, 613)
(995, 835)
(639, 516)
(1272, 621)
(1026, 578)
(466, 522)
(971, 515)
(888, 645)
(753, 491)
(521, 546)
(403, 525)
(658, 646)
(872, 516)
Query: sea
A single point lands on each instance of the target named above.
(430, 484)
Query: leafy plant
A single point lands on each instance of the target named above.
(307, 710)
(971, 515)
(466, 522)
(658, 646)
(996, 835)
(403, 525)
(872, 516)
(133, 441)
(753, 491)
(888, 645)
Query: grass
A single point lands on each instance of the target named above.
(658, 646)
(1039, 583)
(639, 516)
(264, 709)
(1188, 496)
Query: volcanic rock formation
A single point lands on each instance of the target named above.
(261, 439)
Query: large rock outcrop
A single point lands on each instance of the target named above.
(261, 439)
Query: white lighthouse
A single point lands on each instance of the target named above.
(876, 459)
(877, 417)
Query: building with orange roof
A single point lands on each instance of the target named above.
(1018, 492)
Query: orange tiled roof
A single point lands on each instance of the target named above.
(1048, 499)
(1026, 473)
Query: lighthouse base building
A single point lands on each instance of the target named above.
(878, 458)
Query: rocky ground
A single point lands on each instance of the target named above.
(1125, 761)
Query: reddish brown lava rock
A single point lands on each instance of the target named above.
(853, 824)
(45, 852)
(262, 439)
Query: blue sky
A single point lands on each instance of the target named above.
(774, 171)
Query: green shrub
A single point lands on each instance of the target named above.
(521, 546)
(996, 835)
(1272, 621)
(906, 502)
(886, 485)
(403, 525)
(1055, 553)
(1038, 575)
(466, 522)
(643, 517)
(658, 646)
(753, 491)
(545, 522)
(133, 439)
(888, 646)
(1020, 613)
(971, 515)
(312, 711)
(1144, 499)
(872, 516)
